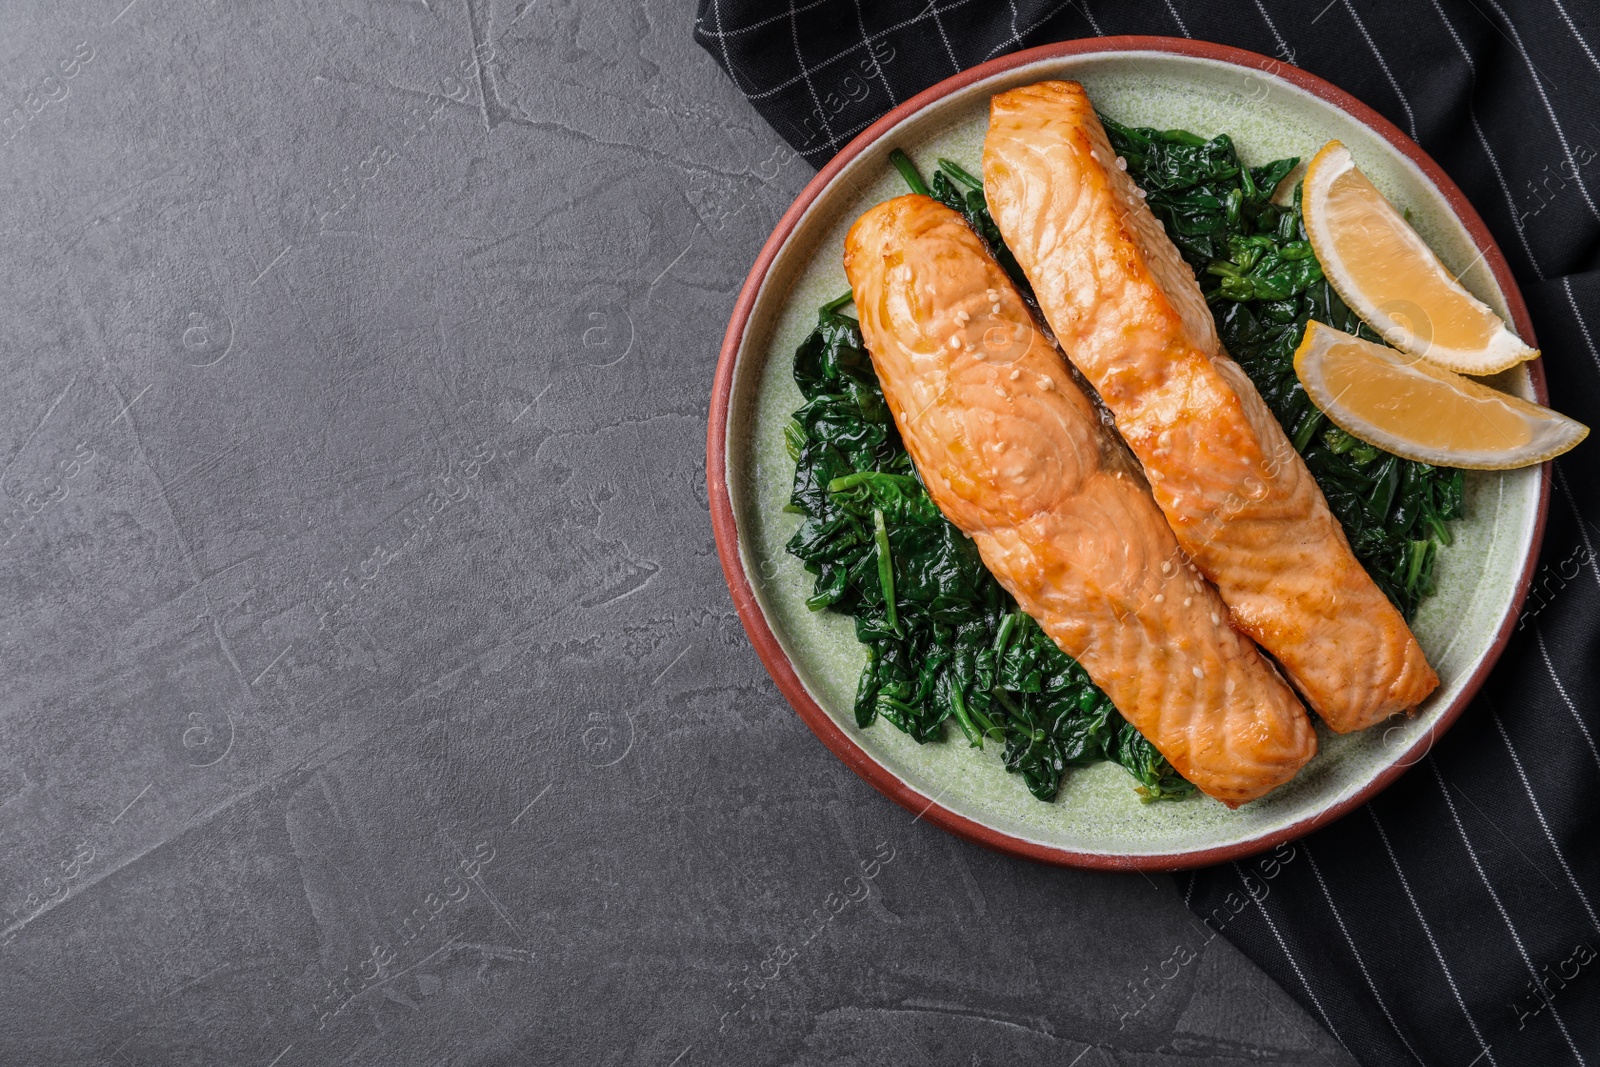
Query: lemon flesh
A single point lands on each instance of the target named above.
(1419, 411)
(1390, 277)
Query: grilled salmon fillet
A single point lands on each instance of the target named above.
(1016, 456)
(1129, 314)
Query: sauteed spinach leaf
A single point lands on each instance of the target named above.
(944, 641)
(1262, 280)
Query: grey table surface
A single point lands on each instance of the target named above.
(372, 693)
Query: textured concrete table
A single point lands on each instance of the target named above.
(371, 690)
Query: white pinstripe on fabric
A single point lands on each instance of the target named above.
(816, 101)
(1405, 884)
(1016, 38)
(1361, 963)
(1561, 478)
(1577, 36)
(1261, 904)
(1538, 633)
(1505, 916)
(955, 64)
(1494, 162)
(1566, 284)
(1178, 19)
(1283, 46)
(876, 66)
(1538, 83)
(806, 72)
(720, 33)
(1383, 65)
(1017, 35)
(727, 60)
(1527, 787)
(1583, 528)
(1088, 16)
(845, 134)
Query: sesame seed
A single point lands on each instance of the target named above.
(1015, 374)
(1216, 620)
(955, 340)
(1161, 598)
(995, 310)
(1140, 192)
(1188, 601)
(1045, 382)
(1198, 673)
(1122, 164)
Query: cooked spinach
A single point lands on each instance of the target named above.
(1263, 283)
(944, 641)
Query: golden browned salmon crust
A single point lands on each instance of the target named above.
(1129, 314)
(1016, 456)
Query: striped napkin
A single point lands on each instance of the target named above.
(1456, 919)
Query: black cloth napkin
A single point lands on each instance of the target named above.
(1456, 919)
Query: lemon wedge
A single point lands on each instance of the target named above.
(1391, 278)
(1422, 412)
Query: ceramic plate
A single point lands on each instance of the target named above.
(1271, 110)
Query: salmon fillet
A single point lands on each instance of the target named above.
(1129, 314)
(1015, 455)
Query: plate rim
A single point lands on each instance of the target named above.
(725, 525)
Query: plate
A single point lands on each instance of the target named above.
(1272, 110)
